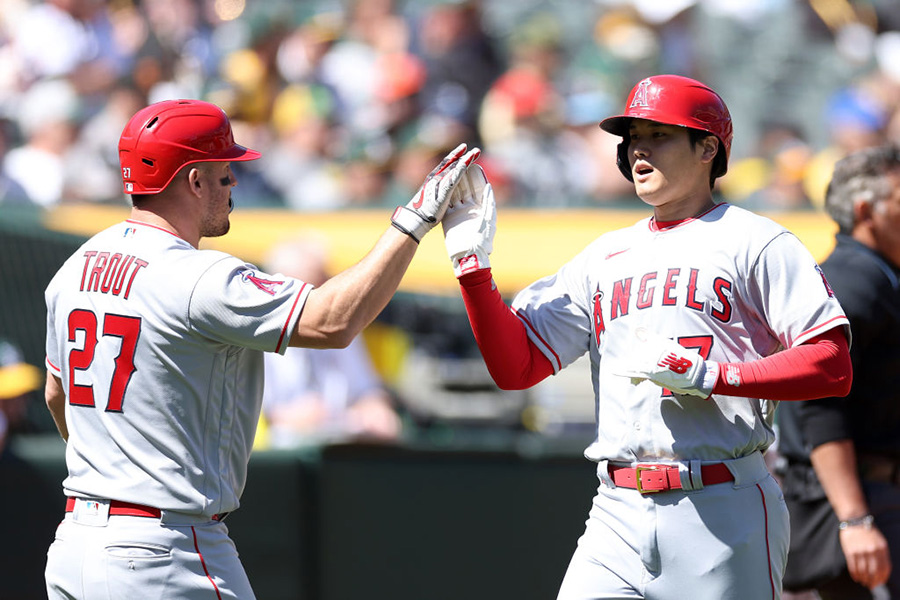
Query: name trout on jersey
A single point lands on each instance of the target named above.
(110, 272)
(662, 289)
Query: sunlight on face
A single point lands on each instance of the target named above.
(218, 179)
(667, 170)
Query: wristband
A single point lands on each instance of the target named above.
(865, 521)
(411, 223)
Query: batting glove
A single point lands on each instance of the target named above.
(470, 223)
(430, 203)
(668, 364)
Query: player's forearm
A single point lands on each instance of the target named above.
(835, 466)
(818, 369)
(513, 361)
(55, 397)
(338, 310)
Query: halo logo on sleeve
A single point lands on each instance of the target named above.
(825, 281)
(599, 326)
(267, 285)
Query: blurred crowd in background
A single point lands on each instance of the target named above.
(352, 101)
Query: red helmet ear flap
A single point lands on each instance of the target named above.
(622, 159)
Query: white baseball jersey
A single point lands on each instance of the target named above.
(733, 285)
(159, 347)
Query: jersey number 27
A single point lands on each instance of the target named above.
(81, 359)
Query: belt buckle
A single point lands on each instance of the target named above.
(637, 478)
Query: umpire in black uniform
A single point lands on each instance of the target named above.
(841, 456)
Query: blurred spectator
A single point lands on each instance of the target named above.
(589, 153)
(93, 172)
(461, 62)
(856, 118)
(66, 38)
(523, 114)
(11, 191)
(18, 380)
(47, 120)
(772, 179)
(177, 58)
(344, 90)
(372, 28)
(301, 166)
(322, 395)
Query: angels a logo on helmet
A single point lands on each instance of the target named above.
(640, 94)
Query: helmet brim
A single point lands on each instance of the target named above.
(617, 125)
(237, 153)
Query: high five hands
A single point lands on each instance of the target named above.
(470, 223)
(430, 203)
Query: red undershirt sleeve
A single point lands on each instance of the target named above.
(819, 368)
(512, 359)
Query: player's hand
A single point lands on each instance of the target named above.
(430, 203)
(867, 554)
(470, 223)
(668, 364)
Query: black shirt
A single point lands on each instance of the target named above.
(868, 288)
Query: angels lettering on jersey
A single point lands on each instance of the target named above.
(665, 288)
(671, 287)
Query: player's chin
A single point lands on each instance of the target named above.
(217, 229)
(649, 193)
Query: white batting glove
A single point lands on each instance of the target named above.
(470, 223)
(668, 364)
(430, 203)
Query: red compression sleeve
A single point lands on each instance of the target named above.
(818, 368)
(513, 361)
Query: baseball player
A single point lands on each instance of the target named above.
(697, 320)
(155, 360)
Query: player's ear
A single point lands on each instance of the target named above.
(194, 179)
(710, 147)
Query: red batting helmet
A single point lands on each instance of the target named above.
(674, 100)
(165, 136)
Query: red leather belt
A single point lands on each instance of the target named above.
(649, 479)
(128, 509)
(123, 509)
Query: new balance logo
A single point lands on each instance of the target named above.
(676, 364)
(469, 263)
(732, 376)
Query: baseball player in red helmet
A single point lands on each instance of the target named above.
(155, 360)
(697, 319)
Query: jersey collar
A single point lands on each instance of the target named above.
(666, 225)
